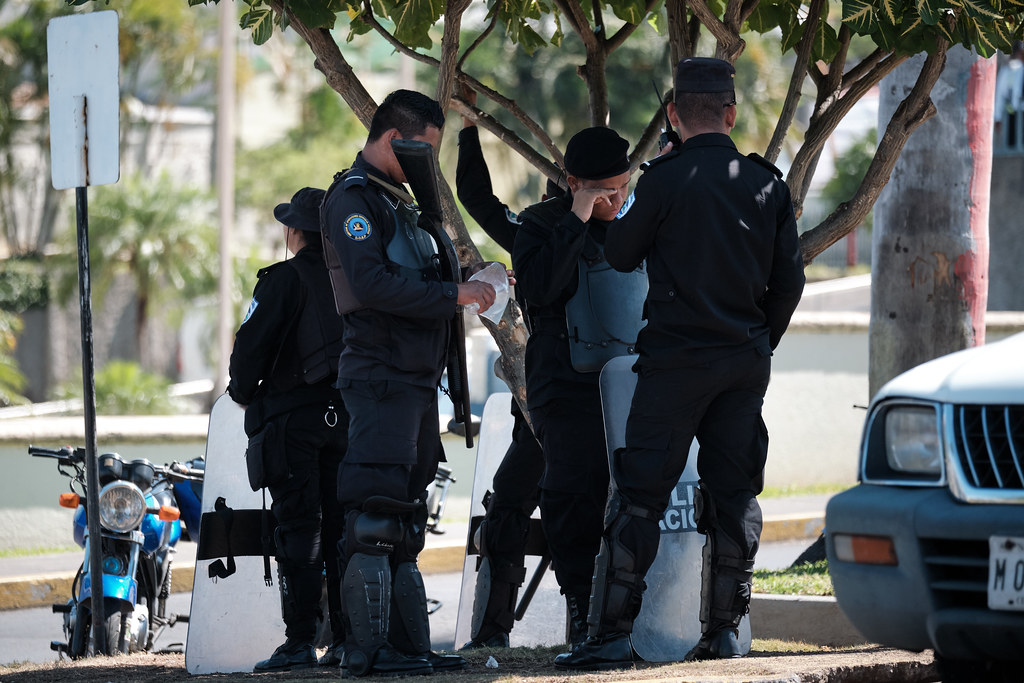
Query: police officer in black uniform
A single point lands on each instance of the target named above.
(515, 493)
(720, 238)
(282, 369)
(560, 238)
(397, 315)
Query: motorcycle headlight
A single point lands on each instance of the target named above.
(122, 506)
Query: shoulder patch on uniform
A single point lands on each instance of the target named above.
(764, 162)
(357, 227)
(252, 309)
(355, 178)
(626, 205)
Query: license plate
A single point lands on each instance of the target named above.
(1006, 573)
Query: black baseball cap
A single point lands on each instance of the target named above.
(596, 153)
(303, 211)
(704, 74)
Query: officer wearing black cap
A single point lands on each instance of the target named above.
(561, 240)
(282, 369)
(718, 232)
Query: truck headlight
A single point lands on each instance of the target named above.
(122, 506)
(912, 440)
(903, 444)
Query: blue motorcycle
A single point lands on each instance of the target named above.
(142, 507)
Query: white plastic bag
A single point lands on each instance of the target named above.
(493, 274)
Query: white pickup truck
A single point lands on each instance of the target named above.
(927, 552)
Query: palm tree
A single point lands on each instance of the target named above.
(160, 234)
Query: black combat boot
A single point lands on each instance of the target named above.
(577, 606)
(301, 588)
(409, 629)
(721, 644)
(294, 654)
(366, 590)
(611, 651)
(724, 599)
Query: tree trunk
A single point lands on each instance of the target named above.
(930, 242)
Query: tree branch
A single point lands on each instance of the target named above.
(826, 117)
(803, 55)
(916, 108)
(730, 45)
(476, 43)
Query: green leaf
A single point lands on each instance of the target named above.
(979, 9)
(931, 11)
(413, 19)
(261, 22)
(861, 16)
(315, 14)
(632, 11)
(826, 43)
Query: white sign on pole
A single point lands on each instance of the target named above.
(83, 69)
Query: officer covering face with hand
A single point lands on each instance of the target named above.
(559, 261)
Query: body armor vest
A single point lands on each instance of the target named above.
(411, 251)
(605, 315)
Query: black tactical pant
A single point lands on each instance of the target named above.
(308, 514)
(574, 488)
(719, 403)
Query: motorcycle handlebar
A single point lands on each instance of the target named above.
(69, 456)
(66, 455)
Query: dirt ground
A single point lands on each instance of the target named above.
(769, 662)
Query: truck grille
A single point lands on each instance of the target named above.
(989, 445)
(957, 571)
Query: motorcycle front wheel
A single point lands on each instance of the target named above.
(119, 639)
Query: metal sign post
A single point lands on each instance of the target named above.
(83, 88)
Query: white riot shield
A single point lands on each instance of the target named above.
(236, 620)
(669, 622)
(544, 622)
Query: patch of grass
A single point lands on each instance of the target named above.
(811, 578)
(807, 490)
(37, 550)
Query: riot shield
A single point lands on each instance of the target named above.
(669, 623)
(544, 621)
(235, 617)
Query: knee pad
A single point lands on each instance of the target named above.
(374, 530)
(414, 536)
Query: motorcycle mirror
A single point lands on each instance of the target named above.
(168, 513)
(69, 500)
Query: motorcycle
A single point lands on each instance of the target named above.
(141, 508)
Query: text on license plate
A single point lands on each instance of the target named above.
(1006, 573)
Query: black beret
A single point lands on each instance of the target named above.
(596, 153)
(303, 211)
(704, 74)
